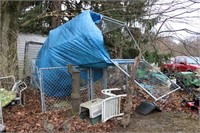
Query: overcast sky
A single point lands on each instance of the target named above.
(189, 20)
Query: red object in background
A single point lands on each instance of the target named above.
(180, 64)
(192, 104)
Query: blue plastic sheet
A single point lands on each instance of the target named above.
(78, 42)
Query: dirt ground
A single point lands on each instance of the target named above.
(161, 122)
(29, 118)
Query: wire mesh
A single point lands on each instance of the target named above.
(97, 83)
(56, 83)
(56, 88)
(116, 78)
(153, 81)
(84, 85)
(148, 78)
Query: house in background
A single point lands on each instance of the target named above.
(28, 46)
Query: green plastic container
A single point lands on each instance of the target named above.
(95, 120)
(85, 114)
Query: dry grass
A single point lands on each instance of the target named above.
(8, 65)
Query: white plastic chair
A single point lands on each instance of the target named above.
(111, 105)
(17, 87)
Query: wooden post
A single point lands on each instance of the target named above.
(75, 74)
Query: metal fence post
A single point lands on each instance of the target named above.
(105, 76)
(90, 84)
(105, 81)
(41, 90)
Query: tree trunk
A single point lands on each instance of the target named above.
(132, 85)
(8, 42)
(56, 21)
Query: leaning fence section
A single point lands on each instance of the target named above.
(148, 78)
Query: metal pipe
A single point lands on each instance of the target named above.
(120, 68)
(114, 20)
(88, 84)
(91, 84)
(42, 90)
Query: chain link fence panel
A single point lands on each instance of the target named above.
(97, 83)
(84, 85)
(56, 86)
(116, 78)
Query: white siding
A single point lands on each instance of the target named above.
(21, 41)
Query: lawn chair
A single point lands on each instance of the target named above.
(10, 92)
(17, 87)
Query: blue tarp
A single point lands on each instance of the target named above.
(78, 42)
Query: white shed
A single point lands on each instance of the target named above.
(28, 46)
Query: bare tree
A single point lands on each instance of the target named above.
(9, 32)
(166, 14)
(170, 15)
(132, 86)
(55, 21)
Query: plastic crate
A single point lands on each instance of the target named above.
(94, 106)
